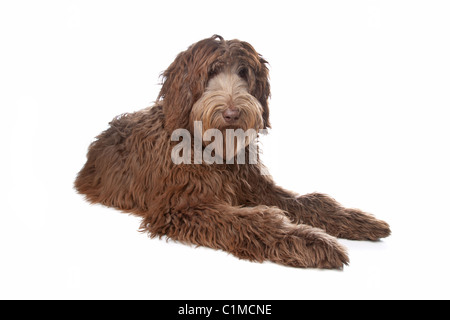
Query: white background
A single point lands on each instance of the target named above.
(360, 110)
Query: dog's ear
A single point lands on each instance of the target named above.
(259, 79)
(262, 89)
(185, 80)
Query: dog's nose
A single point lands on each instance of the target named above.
(231, 115)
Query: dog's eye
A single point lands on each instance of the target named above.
(212, 73)
(243, 73)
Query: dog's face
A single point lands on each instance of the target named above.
(223, 84)
(227, 103)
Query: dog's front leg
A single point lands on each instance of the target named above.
(317, 210)
(254, 233)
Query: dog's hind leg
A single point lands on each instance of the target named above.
(253, 233)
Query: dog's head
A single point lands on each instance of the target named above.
(222, 83)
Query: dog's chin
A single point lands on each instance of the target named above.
(235, 137)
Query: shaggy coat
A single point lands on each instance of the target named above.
(232, 207)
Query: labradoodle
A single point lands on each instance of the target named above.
(235, 207)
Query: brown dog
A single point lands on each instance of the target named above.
(234, 207)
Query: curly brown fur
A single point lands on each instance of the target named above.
(232, 207)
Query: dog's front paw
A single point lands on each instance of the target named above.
(359, 225)
(325, 251)
(307, 247)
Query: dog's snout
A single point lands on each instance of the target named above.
(231, 115)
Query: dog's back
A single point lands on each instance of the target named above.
(120, 167)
